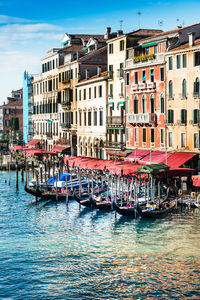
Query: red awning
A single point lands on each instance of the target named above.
(33, 143)
(58, 148)
(177, 159)
(15, 148)
(33, 152)
(116, 153)
(137, 155)
(180, 172)
(196, 180)
(156, 157)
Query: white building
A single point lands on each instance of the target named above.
(91, 107)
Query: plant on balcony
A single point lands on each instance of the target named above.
(143, 57)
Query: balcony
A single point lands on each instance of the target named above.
(116, 145)
(115, 121)
(142, 85)
(110, 75)
(120, 73)
(134, 87)
(66, 104)
(142, 119)
(65, 125)
(145, 60)
(151, 85)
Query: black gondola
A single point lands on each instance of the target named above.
(128, 211)
(101, 203)
(156, 212)
(47, 195)
(83, 199)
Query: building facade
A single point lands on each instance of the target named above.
(28, 129)
(91, 108)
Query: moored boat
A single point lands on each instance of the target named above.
(155, 211)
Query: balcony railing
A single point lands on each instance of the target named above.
(115, 120)
(147, 118)
(151, 85)
(49, 135)
(65, 125)
(134, 87)
(110, 74)
(120, 73)
(142, 85)
(66, 104)
(117, 145)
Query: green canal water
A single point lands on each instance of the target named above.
(49, 251)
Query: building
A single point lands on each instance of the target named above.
(91, 108)
(117, 55)
(28, 129)
(1, 121)
(147, 98)
(183, 95)
(13, 117)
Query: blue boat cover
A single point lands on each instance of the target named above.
(62, 178)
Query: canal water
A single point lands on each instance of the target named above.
(49, 251)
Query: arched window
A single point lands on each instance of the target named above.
(170, 89)
(184, 89)
(196, 88)
(152, 104)
(143, 104)
(162, 104)
(136, 105)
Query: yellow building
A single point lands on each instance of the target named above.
(183, 96)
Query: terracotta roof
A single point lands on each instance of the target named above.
(17, 102)
(73, 48)
(86, 37)
(186, 45)
(103, 74)
(145, 32)
(171, 31)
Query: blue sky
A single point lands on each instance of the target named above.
(29, 28)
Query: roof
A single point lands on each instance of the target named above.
(186, 45)
(138, 33)
(102, 74)
(13, 102)
(153, 169)
(137, 155)
(86, 37)
(33, 143)
(170, 31)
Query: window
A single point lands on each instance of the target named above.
(89, 93)
(183, 116)
(7, 111)
(84, 94)
(196, 58)
(95, 118)
(100, 118)
(136, 136)
(144, 76)
(178, 61)
(170, 116)
(196, 140)
(183, 139)
(111, 90)
(76, 73)
(143, 104)
(196, 88)
(144, 135)
(89, 118)
(152, 136)
(152, 104)
(170, 139)
(184, 60)
(128, 135)
(162, 137)
(127, 78)
(121, 71)
(195, 116)
(80, 116)
(127, 105)
(170, 89)
(79, 95)
(146, 50)
(184, 89)
(155, 49)
(162, 76)
(136, 77)
(136, 105)
(121, 45)
(110, 73)
(110, 48)
(85, 118)
(100, 91)
(122, 89)
(95, 92)
(152, 75)
(170, 63)
(162, 104)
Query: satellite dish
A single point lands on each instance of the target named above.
(160, 23)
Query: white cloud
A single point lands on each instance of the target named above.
(8, 19)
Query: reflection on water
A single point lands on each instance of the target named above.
(49, 251)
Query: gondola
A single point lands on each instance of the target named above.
(156, 211)
(124, 210)
(51, 195)
(83, 199)
(100, 202)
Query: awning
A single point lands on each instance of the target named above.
(33, 143)
(152, 43)
(15, 148)
(156, 157)
(177, 159)
(59, 149)
(137, 155)
(153, 169)
(181, 172)
(86, 47)
(116, 153)
(196, 180)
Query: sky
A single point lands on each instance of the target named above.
(28, 29)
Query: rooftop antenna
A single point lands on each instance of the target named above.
(121, 23)
(160, 23)
(139, 15)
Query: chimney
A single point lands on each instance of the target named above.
(108, 31)
(99, 70)
(191, 39)
(119, 32)
(86, 74)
